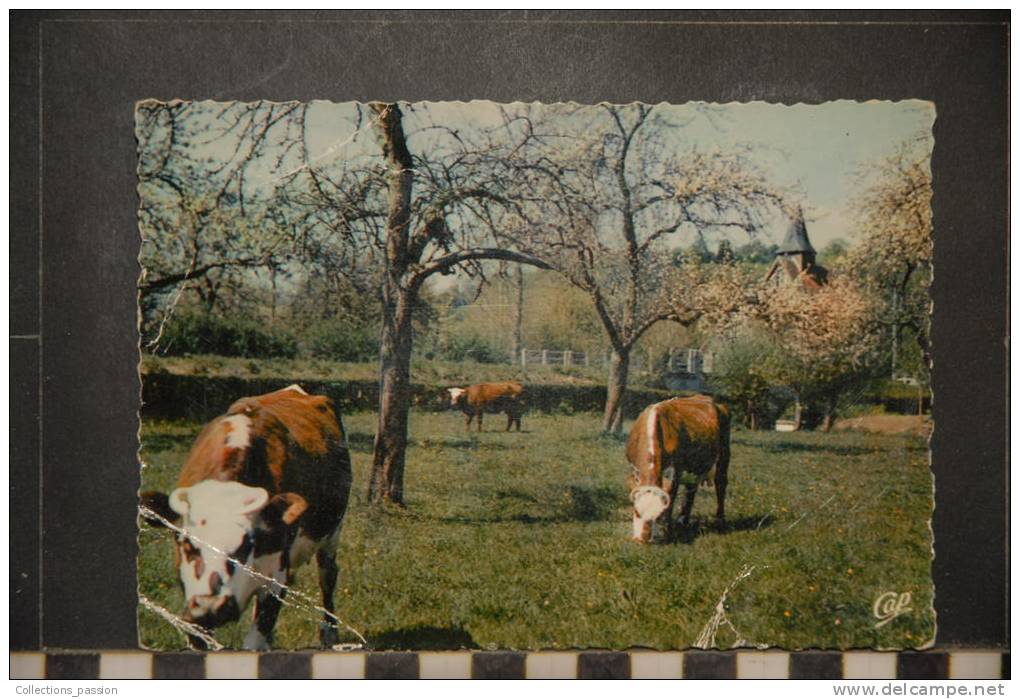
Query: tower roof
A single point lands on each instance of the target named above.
(796, 239)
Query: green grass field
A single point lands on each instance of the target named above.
(521, 541)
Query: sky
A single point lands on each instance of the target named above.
(816, 147)
(820, 147)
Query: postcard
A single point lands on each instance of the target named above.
(470, 375)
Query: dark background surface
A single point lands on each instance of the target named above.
(75, 78)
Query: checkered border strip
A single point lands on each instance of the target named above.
(927, 665)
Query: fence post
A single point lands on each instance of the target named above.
(568, 357)
(587, 358)
(524, 357)
(545, 357)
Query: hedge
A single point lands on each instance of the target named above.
(200, 398)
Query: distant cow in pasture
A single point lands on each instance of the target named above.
(503, 397)
(263, 488)
(675, 437)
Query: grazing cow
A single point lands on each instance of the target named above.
(264, 487)
(677, 436)
(504, 397)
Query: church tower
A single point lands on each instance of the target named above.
(795, 258)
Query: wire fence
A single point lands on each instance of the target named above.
(680, 361)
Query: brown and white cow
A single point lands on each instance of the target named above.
(672, 438)
(264, 487)
(503, 397)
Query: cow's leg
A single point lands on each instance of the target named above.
(267, 608)
(325, 557)
(480, 420)
(674, 489)
(691, 490)
(467, 421)
(509, 421)
(721, 469)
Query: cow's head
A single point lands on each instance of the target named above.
(650, 502)
(230, 542)
(456, 396)
(649, 493)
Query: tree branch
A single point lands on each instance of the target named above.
(685, 321)
(157, 284)
(453, 259)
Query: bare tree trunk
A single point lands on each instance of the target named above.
(798, 412)
(272, 303)
(390, 447)
(404, 276)
(210, 295)
(616, 388)
(895, 328)
(518, 314)
(830, 415)
(387, 481)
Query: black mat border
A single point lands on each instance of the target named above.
(95, 65)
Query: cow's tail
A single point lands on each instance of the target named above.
(723, 414)
(723, 464)
(722, 459)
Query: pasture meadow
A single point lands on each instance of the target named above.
(521, 541)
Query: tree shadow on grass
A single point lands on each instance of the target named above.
(471, 442)
(611, 438)
(517, 517)
(423, 638)
(364, 443)
(514, 494)
(578, 503)
(786, 447)
(590, 504)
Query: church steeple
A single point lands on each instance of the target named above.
(795, 257)
(796, 245)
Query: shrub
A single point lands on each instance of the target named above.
(342, 342)
(203, 333)
(741, 377)
(459, 349)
